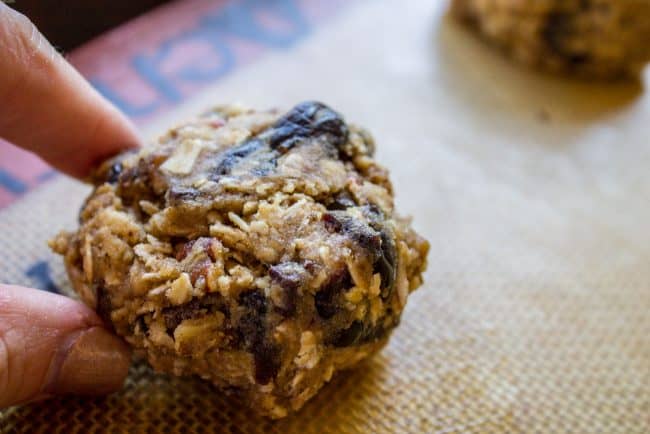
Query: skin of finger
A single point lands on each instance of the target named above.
(48, 108)
(34, 326)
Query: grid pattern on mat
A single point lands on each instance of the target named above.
(534, 313)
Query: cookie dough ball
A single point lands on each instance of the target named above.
(258, 250)
(602, 39)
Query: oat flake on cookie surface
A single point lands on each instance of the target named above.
(255, 249)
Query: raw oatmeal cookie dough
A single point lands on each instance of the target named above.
(258, 250)
(602, 39)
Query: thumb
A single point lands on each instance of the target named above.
(52, 345)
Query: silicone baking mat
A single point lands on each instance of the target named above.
(534, 192)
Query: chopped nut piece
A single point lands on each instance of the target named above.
(181, 290)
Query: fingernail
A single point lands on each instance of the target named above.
(93, 362)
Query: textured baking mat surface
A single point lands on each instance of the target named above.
(534, 193)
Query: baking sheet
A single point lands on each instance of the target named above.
(533, 190)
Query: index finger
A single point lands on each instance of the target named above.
(48, 108)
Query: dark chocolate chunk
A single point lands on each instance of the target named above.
(252, 332)
(374, 214)
(350, 335)
(386, 264)
(253, 301)
(104, 306)
(141, 181)
(175, 315)
(358, 333)
(327, 298)
(177, 194)
(365, 236)
(264, 159)
(265, 163)
(377, 240)
(341, 202)
(142, 324)
(326, 306)
(251, 328)
(194, 308)
(373, 334)
(267, 362)
(234, 155)
(114, 173)
(289, 276)
(578, 59)
(307, 120)
(557, 32)
(361, 233)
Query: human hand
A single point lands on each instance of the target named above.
(49, 344)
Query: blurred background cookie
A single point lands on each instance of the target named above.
(603, 39)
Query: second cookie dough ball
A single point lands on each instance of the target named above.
(604, 39)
